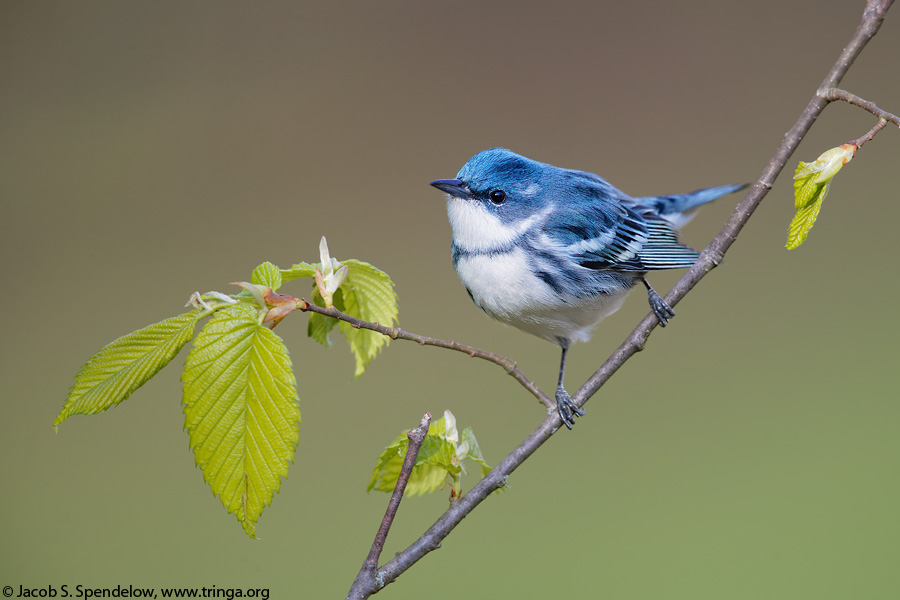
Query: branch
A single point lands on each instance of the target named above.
(711, 256)
(884, 117)
(395, 333)
(365, 580)
(858, 142)
(832, 93)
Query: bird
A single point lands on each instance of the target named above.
(553, 251)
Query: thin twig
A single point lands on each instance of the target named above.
(366, 584)
(832, 93)
(396, 333)
(881, 124)
(711, 256)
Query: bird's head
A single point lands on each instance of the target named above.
(499, 181)
(496, 197)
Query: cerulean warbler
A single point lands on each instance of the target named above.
(553, 251)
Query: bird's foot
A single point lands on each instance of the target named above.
(660, 307)
(566, 408)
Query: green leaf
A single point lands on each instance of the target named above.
(297, 271)
(384, 476)
(438, 460)
(319, 325)
(475, 451)
(267, 274)
(124, 365)
(811, 184)
(805, 218)
(368, 294)
(240, 409)
(428, 475)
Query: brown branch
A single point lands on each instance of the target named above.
(832, 93)
(365, 584)
(858, 142)
(395, 333)
(710, 257)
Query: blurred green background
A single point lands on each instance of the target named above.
(150, 149)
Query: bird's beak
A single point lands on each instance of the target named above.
(454, 187)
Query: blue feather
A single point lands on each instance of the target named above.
(679, 203)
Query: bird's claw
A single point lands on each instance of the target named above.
(566, 408)
(660, 307)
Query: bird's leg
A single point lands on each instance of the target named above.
(564, 405)
(660, 307)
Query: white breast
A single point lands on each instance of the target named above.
(504, 286)
(502, 282)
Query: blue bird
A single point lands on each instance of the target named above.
(553, 251)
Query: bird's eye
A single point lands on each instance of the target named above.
(497, 197)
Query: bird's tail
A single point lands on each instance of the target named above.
(678, 208)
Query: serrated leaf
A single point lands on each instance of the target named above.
(297, 271)
(124, 365)
(804, 219)
(437, 462)
(368, 294)
(439, 452)
(807, 187)
(267, 274)
(319, 325)
(240, 410)
(475, 454)
(427, 476)
(385, 475)
(811, 184)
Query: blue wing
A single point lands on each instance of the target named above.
(603, 229)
